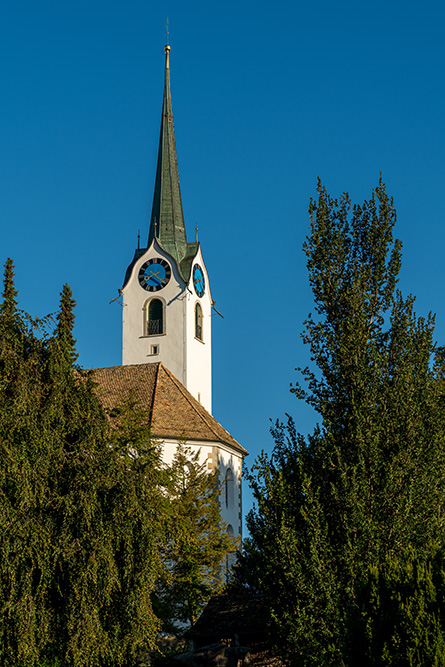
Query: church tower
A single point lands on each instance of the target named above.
(166, 294)
(166, 350)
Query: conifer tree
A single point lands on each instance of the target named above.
(369, 481)
(109, 513)
(402, 605)
(84, 574)
(199, 548)
(81, 511)
(141, 513)
(8, 308)
(24, 530)
(65, 325)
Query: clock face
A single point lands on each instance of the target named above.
(198, 280)
(154, 274)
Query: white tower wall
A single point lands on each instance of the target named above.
(178, 347)
(199, 352)
(137, 346)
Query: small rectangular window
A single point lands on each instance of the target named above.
(154, 350)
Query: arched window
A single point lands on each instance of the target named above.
(154, 317)
(229, 489)
(198, 322)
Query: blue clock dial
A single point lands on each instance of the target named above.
(154, 274)
(198, 280)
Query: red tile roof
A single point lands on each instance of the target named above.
(171, 409)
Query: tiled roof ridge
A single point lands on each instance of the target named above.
(186, 395)
(155, 392)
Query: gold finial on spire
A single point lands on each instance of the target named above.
(167, 49)
(196, 231)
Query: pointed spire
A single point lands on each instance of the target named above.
(167, 218)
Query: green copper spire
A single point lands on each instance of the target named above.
(167, 218)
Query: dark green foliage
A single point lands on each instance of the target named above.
(24, 553)
(80, 519)
(90, 520)
(65, 325)
(141, 510)
(199, 547)
(402, 606)
(369, 482)
(8, 308)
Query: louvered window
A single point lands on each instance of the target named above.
(198, 322)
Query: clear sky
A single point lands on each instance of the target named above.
(266, 97)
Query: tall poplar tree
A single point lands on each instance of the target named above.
(369, 482)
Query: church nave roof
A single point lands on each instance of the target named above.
(172, 410)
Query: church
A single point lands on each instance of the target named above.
(166, 334)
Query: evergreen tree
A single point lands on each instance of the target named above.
(8, 308)
(402, 605)
(81, 511)
(23, 532)
(83, 572)
(140, 510)
(199, 547)
(369, 481)
(65, 326)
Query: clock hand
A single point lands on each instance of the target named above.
(154, 275)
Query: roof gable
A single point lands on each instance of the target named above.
(171, 410)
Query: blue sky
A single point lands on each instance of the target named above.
(266, 98)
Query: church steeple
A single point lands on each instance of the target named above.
(167, 303)
(167, 218)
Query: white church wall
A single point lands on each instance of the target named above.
(226, 461)
(230, 467)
